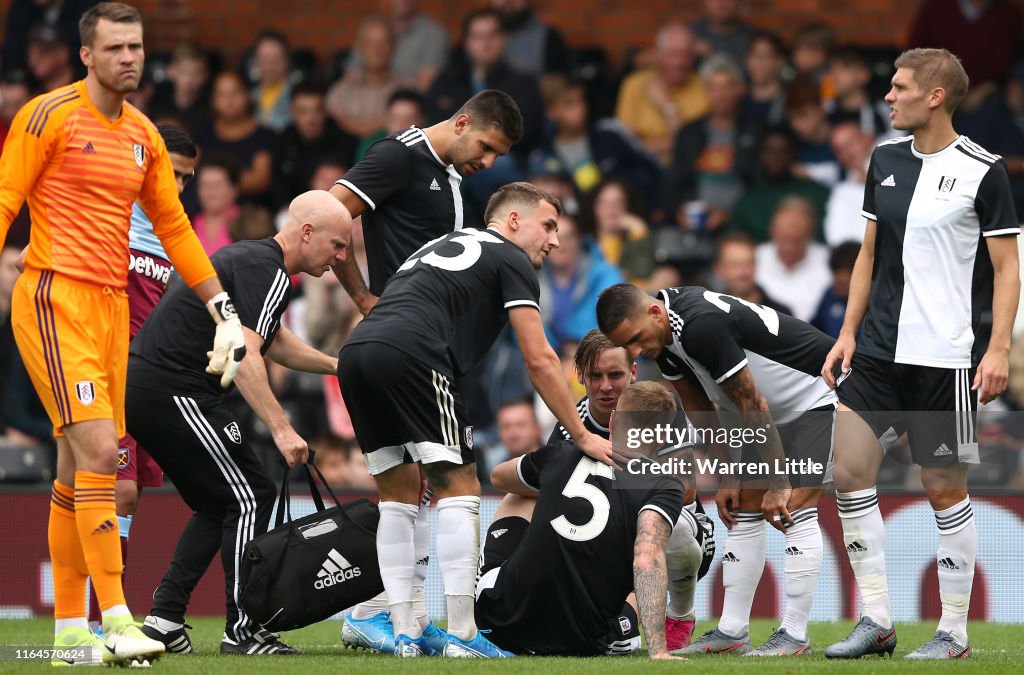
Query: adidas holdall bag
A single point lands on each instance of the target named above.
(306, 570)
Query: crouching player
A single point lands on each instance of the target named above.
(554, 575)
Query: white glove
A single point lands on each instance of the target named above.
(228, 343)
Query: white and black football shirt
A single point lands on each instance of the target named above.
(179, 331)
(716, 335)
(470, 273)
(590, 423)
(413, 197)
(932, 279)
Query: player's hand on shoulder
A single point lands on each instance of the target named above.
(841, 353)
(597, 448)
(291, 446)
(228, 342)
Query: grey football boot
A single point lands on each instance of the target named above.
(866, 638)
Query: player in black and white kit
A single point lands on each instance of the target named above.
(605, 371)
(939, 254)
(396, 373)
(177, 411)
(407, 185)
(407, 190)
(552, 578)
(758, 366)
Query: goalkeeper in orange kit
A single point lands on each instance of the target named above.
(82, 156)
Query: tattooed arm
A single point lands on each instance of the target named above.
(753, 407)
(650, 578)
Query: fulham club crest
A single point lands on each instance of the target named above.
(469, 437)
(86, 392)
(946, 184)
(140, 154)
(234, 433)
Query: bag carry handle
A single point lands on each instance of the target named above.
(284, 501)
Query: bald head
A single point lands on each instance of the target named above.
(674, 46)
(793, 227)
(320, 209)
(316, 235)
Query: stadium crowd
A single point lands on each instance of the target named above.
(720, 155)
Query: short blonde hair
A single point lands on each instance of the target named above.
(646, 397)
(935, 68)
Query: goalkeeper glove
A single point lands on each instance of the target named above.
(228, 343)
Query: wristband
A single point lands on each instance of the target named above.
(221, 308)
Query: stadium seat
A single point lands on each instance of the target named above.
(156, 66)
(337, 64)
(880, 61)
(589, 64)
(305, 65)
(32, 464)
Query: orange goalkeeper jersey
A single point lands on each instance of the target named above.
(81, 173)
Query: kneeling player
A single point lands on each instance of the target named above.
(758, 365)
(552, 585)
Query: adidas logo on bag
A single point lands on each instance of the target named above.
(334, 570)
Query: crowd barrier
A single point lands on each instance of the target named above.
(911, 540)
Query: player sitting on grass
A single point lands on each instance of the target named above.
(605, 371)
(554, 574)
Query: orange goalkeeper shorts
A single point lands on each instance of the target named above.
(73, 338)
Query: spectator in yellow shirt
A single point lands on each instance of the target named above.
(655, 102)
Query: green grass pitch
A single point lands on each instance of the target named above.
(996, 648)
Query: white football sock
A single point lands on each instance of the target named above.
(458, 547)
(395, 553)
(372, 607)
(742, 565)
(115, 612)
(76, 622)
(419, 573)
(682, 559)
(164, 624)
(124, 525)
(802, 569)
(864, 536)
(958, 545)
